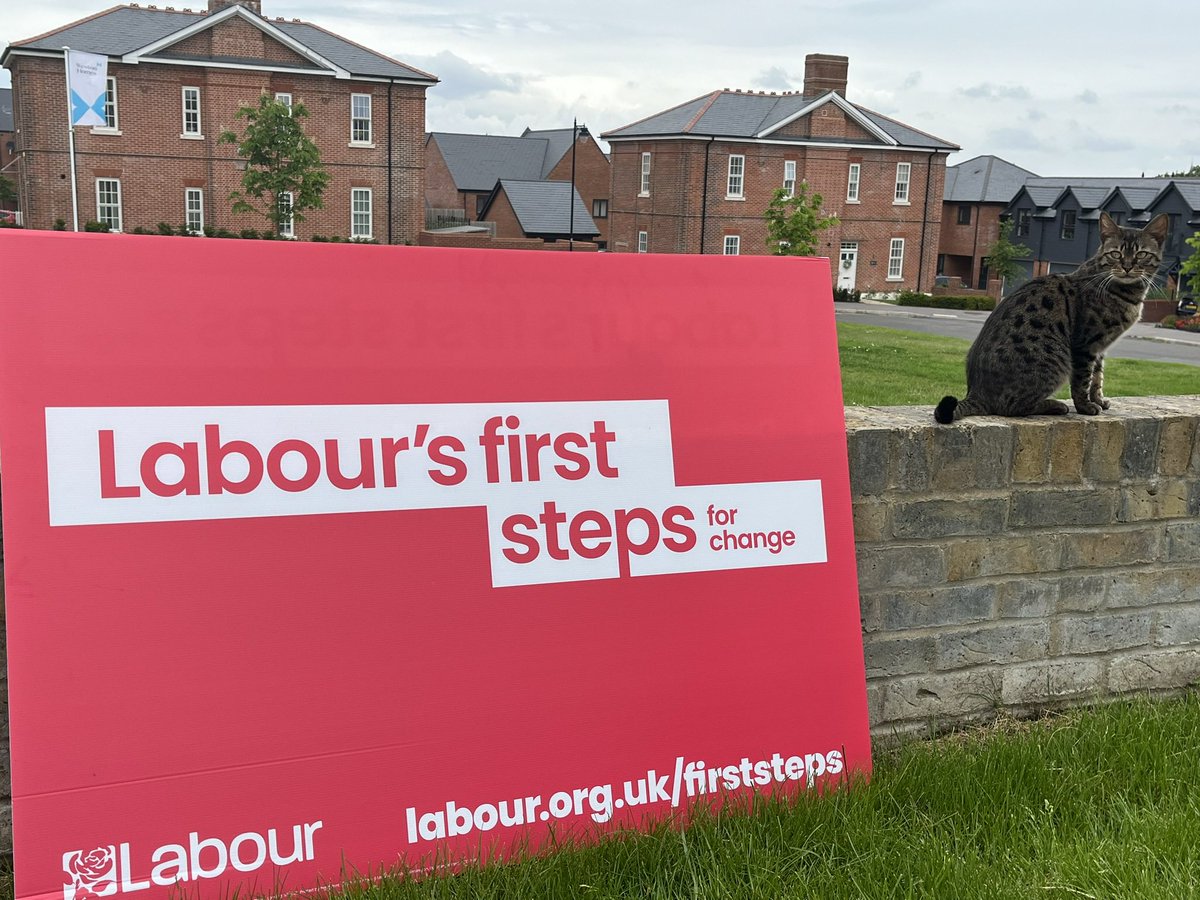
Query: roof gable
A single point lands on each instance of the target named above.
(228, 29)
(477, 161)
(558, 142)
(1188, 191)
(761, 116)
(545, 207)
(234, 39)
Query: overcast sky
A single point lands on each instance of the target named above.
(1060, 87)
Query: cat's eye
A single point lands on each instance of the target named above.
(1143, 254)
(1113, 254)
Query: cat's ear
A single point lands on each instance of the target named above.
(1109, 230)
(1158, 227)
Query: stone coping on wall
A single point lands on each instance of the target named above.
(1017, 564)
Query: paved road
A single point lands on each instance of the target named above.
(1140, 342)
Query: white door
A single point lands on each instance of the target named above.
(847, 265)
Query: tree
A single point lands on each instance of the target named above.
(794, 222)
(280, 160)
(1190, 270)
(1193, 172)
(8, 191)
(1003, 254)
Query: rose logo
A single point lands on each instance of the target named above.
(92, 874)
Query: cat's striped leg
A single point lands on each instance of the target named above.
(1082, 366)
(1096, 393)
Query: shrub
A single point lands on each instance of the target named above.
(60, 224)
(846, 295)
(224, 233)
(1167, 321)
(267, 235)
(101, 227)
(913, 298)
(164, 228)
(248, 234)
(142, 230)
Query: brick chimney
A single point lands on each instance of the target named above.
(255, 6)
(822, 73)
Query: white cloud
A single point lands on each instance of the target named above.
(540, 64)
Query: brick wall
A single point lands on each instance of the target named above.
(505, 218)
(593, 178)
(1015, 564)
(1003, 563)
(440, 189)
(480, 241)
(965, 246)
(155, 163)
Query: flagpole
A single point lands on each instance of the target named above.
(71, 139)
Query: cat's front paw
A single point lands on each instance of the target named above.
(1101, 400)
(1088, 408)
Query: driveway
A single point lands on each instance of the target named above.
(1140, 342)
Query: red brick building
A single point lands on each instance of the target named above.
(977, 192)
(462, 170)
(176, 81)
(697, 178)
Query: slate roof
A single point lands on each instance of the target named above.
(542, 207)
(737, 114)
(124, 29)
(6, 113)
(984, 179)
(1094, 194)
(478, 161)
(1138, 197)
(558, 142)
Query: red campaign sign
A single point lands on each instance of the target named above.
(325, 559)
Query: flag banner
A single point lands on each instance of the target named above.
(87, 87)
(337, 559)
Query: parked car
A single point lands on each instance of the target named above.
(1187, 307)
(8, 217)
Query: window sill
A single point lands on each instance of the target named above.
(855, 202)
(113, 131)
(366, 145)
(192, 137)
(643, 193)
(896, 278)
(901, 203)
(739, 197)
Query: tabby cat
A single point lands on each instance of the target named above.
(1057, 327)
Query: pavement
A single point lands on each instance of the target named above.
(1142, 341)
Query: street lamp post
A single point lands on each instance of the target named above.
(577, 131)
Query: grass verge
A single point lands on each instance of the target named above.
(885, 367)
(1097, 803)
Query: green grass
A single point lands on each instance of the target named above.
(1103, 803)
(885, 367)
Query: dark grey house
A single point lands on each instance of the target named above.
(1058, 218)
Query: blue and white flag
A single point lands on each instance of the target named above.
(87, 87)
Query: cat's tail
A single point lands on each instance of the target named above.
(951, 409)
